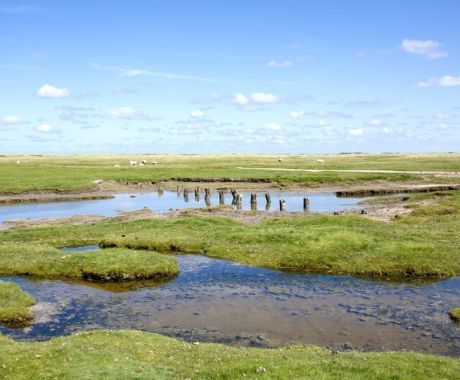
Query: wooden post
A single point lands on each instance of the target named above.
(282, 204)
(254, 201)
(234, 197)
(186, 195)
(306, 204)
(239, 200)
(267, 197)
(178, 190)
(221, 197)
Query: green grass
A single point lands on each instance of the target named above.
(14, 304)
(78, 172)
(424, 244)
(107, 265)
(138, 355)
(455, 314)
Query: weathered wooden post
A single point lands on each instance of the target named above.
(254, 201)
(239, 201)
(221, 197)
(268, 200)
(282, 204)
(267, 197)
(234, 197)
(306, 204)
(186, 195)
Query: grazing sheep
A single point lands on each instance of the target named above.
(154, 163)
(280, 160)
(116, 166)
(143, 162)
(321, 161)
(132, 163)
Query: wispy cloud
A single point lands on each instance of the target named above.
(445, 81)
(21, 8)
(134, 72)
(128, 113)
(287, 63)
(274, 64)
(427, 48)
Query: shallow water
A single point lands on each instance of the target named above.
(168, 200)
(219, 301)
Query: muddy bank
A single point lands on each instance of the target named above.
(395, 190)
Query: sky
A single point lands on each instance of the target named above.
(203, 76)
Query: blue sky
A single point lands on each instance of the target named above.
(236, 76)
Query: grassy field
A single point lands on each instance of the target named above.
(455, 314)
(138, 355)
(14, 304)
(420, 245)
(78, 172)
(108, 265)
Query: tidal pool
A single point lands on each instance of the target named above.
(169, 200)
(220, 301)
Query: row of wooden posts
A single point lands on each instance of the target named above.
(237, 198)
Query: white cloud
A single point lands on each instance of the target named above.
(355, 132)
(428, 48)
(375, 122)
(11, 120)
(44, 128)
(273, 64)
(445, 81)
(241, 99)
(297, 114)
(386, 130)
(128, 113)
(197, 114)
(260, 97)
(49, 91)
(274, 126)
(256, 98)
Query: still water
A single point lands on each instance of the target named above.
(220, 301)
(169, 200)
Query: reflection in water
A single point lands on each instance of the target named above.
(219, 301)
(166, 200)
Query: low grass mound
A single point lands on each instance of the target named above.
(14, 304)
(455, 314)
(139, 355)
(106, 265)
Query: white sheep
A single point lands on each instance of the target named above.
(154, 163)
(143, 162)
(321, 161)
(132, 163)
